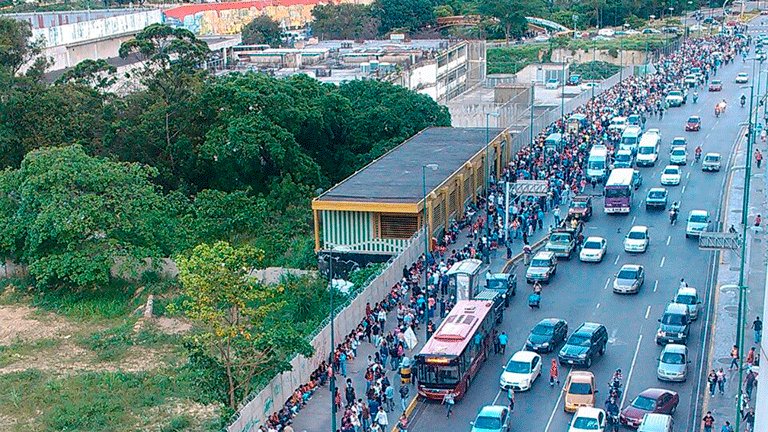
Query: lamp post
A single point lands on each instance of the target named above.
(594, 59)
(488, 174)
(332, 314)
(562, 97)
(424, 224)
(621, 60)
(533, 104)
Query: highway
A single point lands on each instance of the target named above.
(581, 292)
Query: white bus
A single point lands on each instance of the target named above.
(597, 164)
(618, 191)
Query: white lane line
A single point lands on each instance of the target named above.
(606, 283)
(662, 261)
(655, 285)
(616, 260)
(648, 312)
(554, 408)
(669, 238)
(631, 368)
(706, 136)
(688, 175)
(598, 306)
(497, 396)
(634, 219)
(683, 190)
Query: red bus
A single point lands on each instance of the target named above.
(453, 355)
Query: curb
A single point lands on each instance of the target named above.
(408, 410)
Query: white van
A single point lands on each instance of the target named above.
(631, 138)
(597, 164)
(698, 221)
(656, 423)
(648, 150)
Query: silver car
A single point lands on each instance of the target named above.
(689, 297)
(629, 279)
(673, 363)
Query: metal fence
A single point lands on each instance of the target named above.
(261, 403)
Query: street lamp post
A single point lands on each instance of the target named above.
(533, 104)
(621, 60)
(562, 97)
(594, 59)
(424, 224)
(488, 174)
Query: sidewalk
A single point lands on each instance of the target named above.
(316, 414)
(724, 322)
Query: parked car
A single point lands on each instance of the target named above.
(574, 79)
(552, 83)
(652, 400)
(673, 363)
(543, 266)
(711, 162)
(689, 297)
(581, 207)
(675, 98)
(547, 335)
(674, 325)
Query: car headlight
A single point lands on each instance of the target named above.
(583, 355)
(545, 344)
(680, 335)
(659, 333)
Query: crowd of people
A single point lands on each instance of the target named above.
(562, 167)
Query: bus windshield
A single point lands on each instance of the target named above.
(596, 164)
(616, 192)
(439, 374)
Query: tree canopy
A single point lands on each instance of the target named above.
(262, 30)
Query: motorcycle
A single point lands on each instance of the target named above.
(695, 98)
(673, 216)
(534, 300)
(743, 101)
(717, 111)
(697, 158)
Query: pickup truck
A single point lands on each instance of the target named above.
(562, 241)
(581, 207)
(503, 283)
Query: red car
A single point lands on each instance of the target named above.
(652, 400)
(693, 124)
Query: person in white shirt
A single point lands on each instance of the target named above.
(381, 418)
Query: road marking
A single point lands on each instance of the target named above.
(616, 260)
(662, 261)
(687, 176)
(669, 238)
(554, 409)
(706, 136)
(634, 219)
(598, 306)
(606, 283)
(682, 191)
(647, 312)
(655, 285)
(631, 369)
(496, 398)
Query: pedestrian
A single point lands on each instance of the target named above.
(758, 158)
(389, 395)
(503, 339)
(708, 421)
(381, 418)
(751, 357)
(758, 220)
(757, 326)
(712, 381)
(727, 427)
(349, 392)
(343, 363)
(448, 401)
(556, 214)
(749, 383)
(402, 424)
(404, 396)
(734, 358)
(553, 374)
(511, 398)
(721, 381)
(496, 343)
(749, 419)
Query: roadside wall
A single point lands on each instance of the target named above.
(261, 404)
(581, 56)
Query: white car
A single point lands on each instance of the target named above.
(593, 249)
(670, 176)
(588, 419)
(742, 78)
(698, 221)
(678, 155)
(590, 86)
(607, 32)
(521, 371)
(653, 131)
(618, 123)
(637, 239)
(553, 83)
(541, 38)
(675, 98)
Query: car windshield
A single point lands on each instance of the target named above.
(491, 423)
(644, 403)
(560, 238)
(646, 150)
(596, 164)
(673, 319)
(585, 423)
(685, 299)
(670, 171)
(675, 93)
(711, 158)
(627, 274)
(678, 142)
(698, 218)
(543, 330)
(636, 235)
(623, 158)
(693, 120)
(497, 284)
(657, 194)
(580, 388)
(540, 263)
(518, 367)
(592, 245)
(673, 358)
(716, 82)
(579, 204)
(678, 152)
(579, 340)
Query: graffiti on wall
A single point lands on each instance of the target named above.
(229, 18)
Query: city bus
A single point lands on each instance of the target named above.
(618, 191)
(453, 355)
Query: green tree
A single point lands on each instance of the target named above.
(407, 15)
(262, 30)
(71, 217)
(344, 21)
(97, 74)
(17, 47)
(238, 320)
(511, 14)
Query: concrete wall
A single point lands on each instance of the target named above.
(230, 17)
(581, 56)
(272, 397)
(66, 56)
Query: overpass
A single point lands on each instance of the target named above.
(474, 20)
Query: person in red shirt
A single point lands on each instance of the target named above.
(708, 421)
(553, 374)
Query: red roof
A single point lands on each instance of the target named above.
(192, 9)
(457, 329)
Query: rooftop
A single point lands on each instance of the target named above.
(396, 176)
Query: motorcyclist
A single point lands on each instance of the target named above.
(683, 283)
(537, 288)
(612, 410)
(695, 96)
(717, 110)
(697, 152)
(673, 211)
(743, 100)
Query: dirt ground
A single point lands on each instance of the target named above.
(22, 324)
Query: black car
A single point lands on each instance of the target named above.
(547, 335)
(583, 345)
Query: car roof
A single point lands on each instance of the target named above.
(679, 138)
(655, 392)
(544, 254)
(588, 327)
(588, 412)
(678, 148)
(699, 213)
(639, 228)
(675, 348)
(694, 117)
(630, 267)
(712, 154)
(659, 189)
(491, 410)
(687, 291)
(549, 321)
(624, 151)
(594, 238)
(525, 356)
(673, 307)
(581, 376)
(672, 166)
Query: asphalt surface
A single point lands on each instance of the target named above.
(581, 292)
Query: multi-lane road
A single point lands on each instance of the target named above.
(581, 292)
